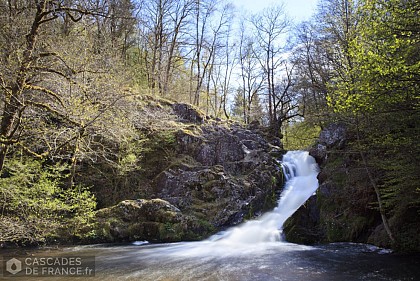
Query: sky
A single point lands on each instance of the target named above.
(298, 10)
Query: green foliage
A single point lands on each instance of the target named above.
(129, 155)
(385, 63)
(38, 205)
(349, 208)
(394, 151)
(245, 110)
(300, 135)
(137, 64)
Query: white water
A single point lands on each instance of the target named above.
(301, 172)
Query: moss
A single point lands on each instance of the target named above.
(159, 151)
(191, 130)
(335, 231)
(298, 234)
(170, 232)
(154, 100)
(104, 227)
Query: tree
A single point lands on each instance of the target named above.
(254, 110)
(378, 90)
(250, 72)
(312, 73)
(385, 58)
(56, 92)
(163, 28)
(222, 65)
(270, 25)
(209, 34)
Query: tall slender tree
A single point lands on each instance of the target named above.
(270, 27)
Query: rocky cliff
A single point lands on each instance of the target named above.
(198, 176)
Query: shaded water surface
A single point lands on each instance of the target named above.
(267, 261)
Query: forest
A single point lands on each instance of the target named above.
(74, 75)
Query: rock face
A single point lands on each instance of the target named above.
(342, 209)
(187, 113)
(332, 137)
(304, 225)
(217, 175)
(224, 176)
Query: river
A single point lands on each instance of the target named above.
(259, 262)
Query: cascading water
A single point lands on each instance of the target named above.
(300, 170)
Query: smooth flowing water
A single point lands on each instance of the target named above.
(251, 251)
(300, 170)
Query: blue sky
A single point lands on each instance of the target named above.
(298, 10)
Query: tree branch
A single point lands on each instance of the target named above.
(46, 91)
(50, 109)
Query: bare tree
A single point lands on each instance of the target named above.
(288, 103)
(180, 14)
(270, 25)
(205, 45)
(57, 91)
(163, 26)
(222, 64)
(250, 72)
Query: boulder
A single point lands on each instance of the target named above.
(153, 220)
(319, 152)
(334, 135)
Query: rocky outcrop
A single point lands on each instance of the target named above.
(207, 173)
(187, 113)
(151, 220)
(342, 209)
(224, 175)
(333, 137)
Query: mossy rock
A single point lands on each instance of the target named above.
(153, 220)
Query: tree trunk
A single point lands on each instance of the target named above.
(7, 121)
(12, 106)
(375, 188)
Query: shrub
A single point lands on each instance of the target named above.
(36, 204)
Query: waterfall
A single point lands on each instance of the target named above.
(300, 170)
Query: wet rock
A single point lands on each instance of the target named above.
(303, 226)
(319, 152)
(333, 137)
(210, 173)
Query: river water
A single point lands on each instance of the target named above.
(252, 251)
(258, 262)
